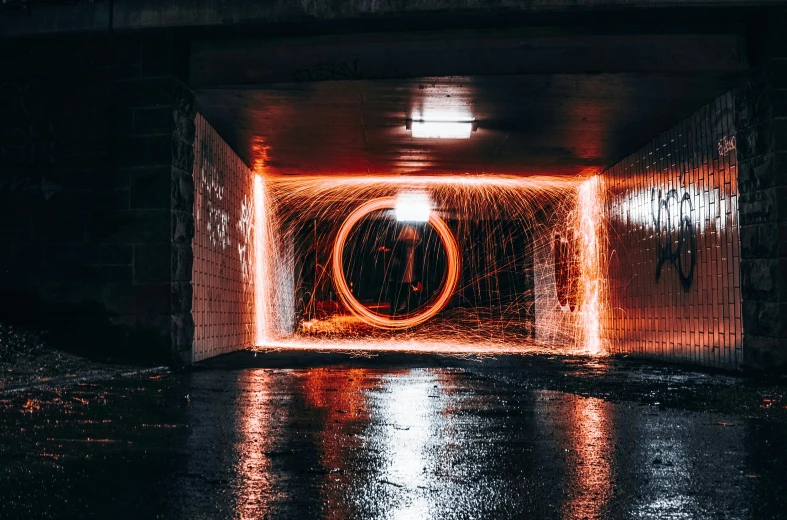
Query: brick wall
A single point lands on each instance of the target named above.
(96, 195)
(222, 274)
(674, 268)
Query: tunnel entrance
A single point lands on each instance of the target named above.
(516, 217)
(431, 263)
(177, 183)
(462, 277)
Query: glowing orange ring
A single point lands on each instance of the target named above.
(378, 320)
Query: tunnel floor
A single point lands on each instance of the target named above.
(399, 436)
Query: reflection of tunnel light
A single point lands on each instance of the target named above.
(413, 207)
(378, 320)
(441, 129)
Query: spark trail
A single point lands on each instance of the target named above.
(504, 298)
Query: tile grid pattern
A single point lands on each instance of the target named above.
(674, 198)
(222, 274)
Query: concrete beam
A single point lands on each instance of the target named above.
(131, 14)
(55, 19)
(461, 53)
(34, 18)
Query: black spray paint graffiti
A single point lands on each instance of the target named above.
(677, 241)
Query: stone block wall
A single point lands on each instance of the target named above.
(674, 250)
(153, 153)
(96, 152)
(761, 119)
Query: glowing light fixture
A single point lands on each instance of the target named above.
(438, 129)
(413, 207)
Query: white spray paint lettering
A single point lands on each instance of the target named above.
(218, 219)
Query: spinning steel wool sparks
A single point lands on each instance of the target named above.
(449, 281)
(481, 275)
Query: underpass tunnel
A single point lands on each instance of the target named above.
(551, 191)
(452, 177)
(412, 259)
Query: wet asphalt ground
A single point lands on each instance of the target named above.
(397, 436)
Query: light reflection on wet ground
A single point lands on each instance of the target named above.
(496, 439)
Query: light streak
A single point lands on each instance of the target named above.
(499, 225)
(378, 320)
(262, 276)
(591, 278)
(584, 426)
(256, 480)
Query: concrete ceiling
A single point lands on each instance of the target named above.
(534, 124)
(547, 100)
(36, 17)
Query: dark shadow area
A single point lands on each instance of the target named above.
(85, 328)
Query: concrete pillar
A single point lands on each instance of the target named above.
(153, 149)
(761, 120)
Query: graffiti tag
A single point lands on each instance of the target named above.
(217, 217)
(677, 242)
(27, 133)
(726, 145)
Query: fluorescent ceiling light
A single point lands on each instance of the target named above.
(441, 129)
(413, 207)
